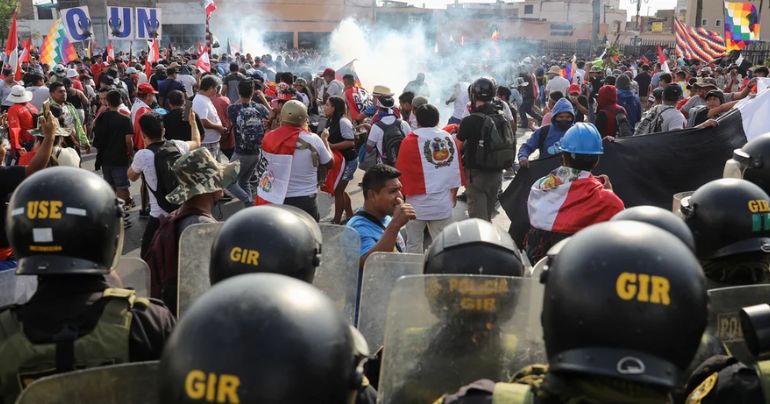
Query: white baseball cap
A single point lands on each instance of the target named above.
(71, 73)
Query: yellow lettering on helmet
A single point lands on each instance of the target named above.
(244, 256)
(215, 388)
(44, 209)
(759, 205)
(194, 384)
(643, 288)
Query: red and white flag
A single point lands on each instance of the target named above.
(334, 175)
(210, 7)
(429, 160)
(277, 155)
(26, 53)
(110, 53)
(204, 64)
(199, 48)
(568, 200)
(663, 61)
(153, 55)
(11, 50)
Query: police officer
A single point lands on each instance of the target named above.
(262, 338)
(468, 342)
(748, 162)
(659, 217)
(268, 238)
(65, 227)
(610, 288)
(730, 220)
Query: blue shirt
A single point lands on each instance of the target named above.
(370, 233)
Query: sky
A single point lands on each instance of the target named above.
(626, 4)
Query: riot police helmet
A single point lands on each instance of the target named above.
(65, 221)
(752, 162)
(659, 217)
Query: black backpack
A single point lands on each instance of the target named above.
(166, 154)
(392, 135)
(624, 127)
(496, 149)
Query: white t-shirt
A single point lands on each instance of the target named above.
(188, 82)
(672, 120)
(461, 100)
(557, 83)
(375, 134)
(304, 177)
(437, 206)
(144, 162)
(135, 107)
(346, 129)
(205, 109)
(39, 96)
(334, 88)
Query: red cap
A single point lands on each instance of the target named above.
(574, 89)
(146, 88)
(328, 72)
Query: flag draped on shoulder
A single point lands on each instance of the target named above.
(699, 44)
(568, 200)
(274, 167)
(429, 159)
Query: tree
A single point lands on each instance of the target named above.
(6, 12)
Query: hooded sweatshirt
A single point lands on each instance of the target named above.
(631, 104)
(554, 133)
(606, 110)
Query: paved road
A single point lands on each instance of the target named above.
(133, 234)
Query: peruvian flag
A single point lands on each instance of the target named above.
(663, 61)
(334, 175)
(199, 48)
(26, 53)
(429, 160)
(152, 57)
(203, 64)
(274, 169)
(568, 200)
(210, 7)
(110, 53)
(11, 50)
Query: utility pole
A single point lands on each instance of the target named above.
(595, 30)
(698, 13)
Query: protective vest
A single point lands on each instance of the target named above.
(106, 344)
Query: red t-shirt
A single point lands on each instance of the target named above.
(96, 70)
(357, 99)
(20, 122)
(138, 139)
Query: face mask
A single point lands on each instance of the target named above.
(563, 125)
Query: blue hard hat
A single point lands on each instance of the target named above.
(581, 138)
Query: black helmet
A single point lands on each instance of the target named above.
(752, 162)
(483, 89)
(473, 247)
(260, 338)
(626, 300)
(268, 238)
(728, 217)
(65, 220)
(659, 217)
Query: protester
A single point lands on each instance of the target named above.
(643, 79)
(247, 118)
(144, 166)
(388, 129)
(628, 100)
(357, 98)
(167, 85)
(570, 198)
(72, 122)
(142, 105)
(579, 103)
(230, 82)
(175, 121)
(22, 117)
(204, 108)
(113, 139)
(611, 118)
(552, 99)
(459, 99)
(6, 85)
(556, 82)
(341, 137)
(432, 194)
(39, 90)
(226, 141)
(292, 162)
(383, 215)
(544, 139)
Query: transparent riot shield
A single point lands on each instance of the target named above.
(724, 322)
(445, 331)
(16, 289)
(337, 276)
(131, 383)
(194, 256)
(381, 271)
(131, 273)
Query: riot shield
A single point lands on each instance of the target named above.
(130, 383)
(16, 289)
(724, 322)
(445, 331)
(337, 276)
(194, 256)
(132, 273)
(381, 271)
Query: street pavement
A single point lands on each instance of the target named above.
(133, 234)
